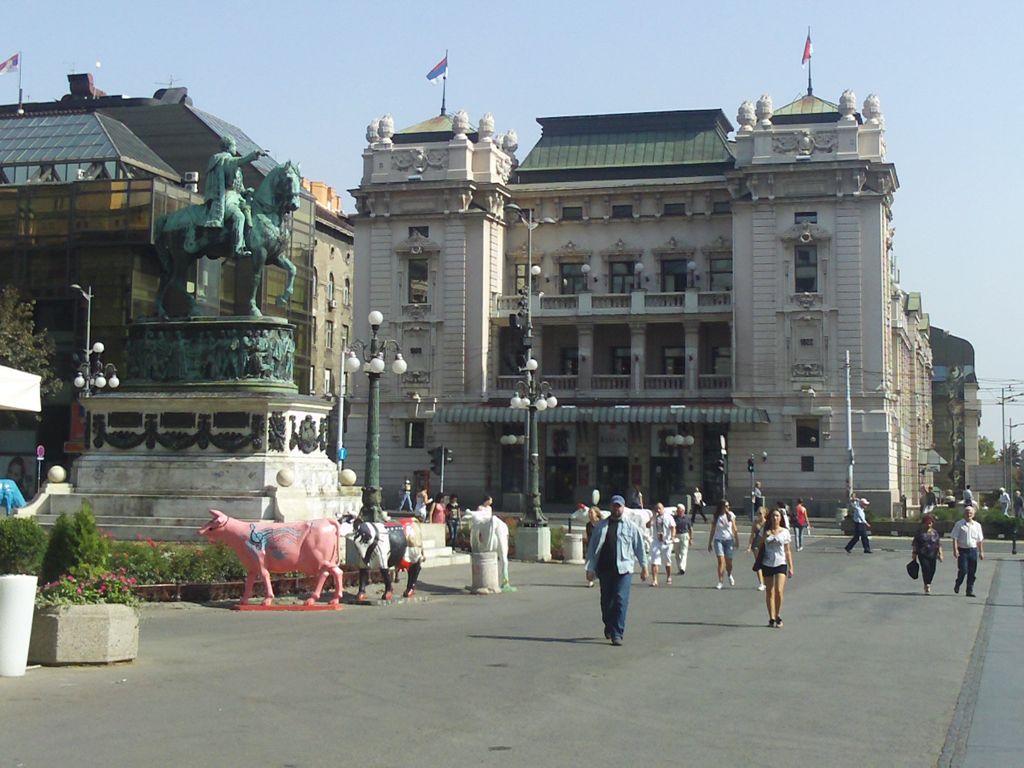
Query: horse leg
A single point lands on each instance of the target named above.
(389, 590)
(414, 575)
(259, 263)
(364, 579)
(285, 263)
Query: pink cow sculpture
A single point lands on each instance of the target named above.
(310, 546)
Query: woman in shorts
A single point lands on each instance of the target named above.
(755, 543)
(723, 540)
(776, 565)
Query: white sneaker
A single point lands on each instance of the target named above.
(760, 587)
(732, 581)
(719, 585)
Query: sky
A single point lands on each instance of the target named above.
(303, 81)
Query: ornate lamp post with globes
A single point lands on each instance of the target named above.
(373, 354)
(533, 396)
(93, 375)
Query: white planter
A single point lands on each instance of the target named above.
(17, 596)
(84, 634)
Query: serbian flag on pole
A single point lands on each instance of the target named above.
(440, 70)
(11, 65)
(808, 50)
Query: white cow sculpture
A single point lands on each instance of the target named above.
(489, 533)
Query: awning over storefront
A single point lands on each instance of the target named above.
(641, 414)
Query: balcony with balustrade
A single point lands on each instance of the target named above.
(587, 304)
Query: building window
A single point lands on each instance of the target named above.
(418, 282)
(330, 287)
(806, 269)
(806, 463)
(620, 361)
(415, 434)
(720, 273)
(806, 342)
(573, 281)
(344, 337)
(312, 327)
(312, 379)
(328, 380)
(673, 275)
(721, 206)
(622, 211)
(521, 281)
(346, 293)
(805, 217)
(674, 209)
(421, 231)
(569, 361)
(572, 213)
(807, 433)
(621, 278)
(673, 361)
(721, 361)
(329, 334)
(316, 282)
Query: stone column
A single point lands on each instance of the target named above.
(638, 362)
(692, 332)
(585, 345)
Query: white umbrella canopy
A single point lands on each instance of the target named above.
(19, 391)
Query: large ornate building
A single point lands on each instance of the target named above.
(694, 281)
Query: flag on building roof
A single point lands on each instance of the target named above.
(808, 50)
(11, 65)
(440, 70)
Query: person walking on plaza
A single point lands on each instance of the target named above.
(754, 544)
(861, 526)
(756, 499)
(723, 538)
(931, 500)
(968, 549)
(406, 500)
(616, 545)
(698, 506)
(968, 496)
(593, 518)
(1018, 504)
(684, 538)
(926, 549)
(776, 565)
(1004, 502)
(636, 498)
(422, 508)
(663, 529)
(800, 523)
(453, 519)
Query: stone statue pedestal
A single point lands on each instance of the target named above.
(572, 548)
(533, 544)
(485, 573)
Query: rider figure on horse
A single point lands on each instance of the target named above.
(227, 199)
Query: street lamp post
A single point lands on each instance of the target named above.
(680, 442)
(93, 375)
(373, 355)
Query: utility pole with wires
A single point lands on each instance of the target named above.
(849, 429)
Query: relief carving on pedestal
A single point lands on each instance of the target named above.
(804, 143)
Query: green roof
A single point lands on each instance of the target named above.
(656, 141)
(437, 124)
(81, 138)
(808, 105)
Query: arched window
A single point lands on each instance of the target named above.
(346, 294)
(330, 287)
(316, 282)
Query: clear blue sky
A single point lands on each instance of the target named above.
(304, 80)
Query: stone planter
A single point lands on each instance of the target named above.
(84, 634)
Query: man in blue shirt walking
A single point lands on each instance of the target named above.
(615, 546)
(861, 526)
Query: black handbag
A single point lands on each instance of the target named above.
(913, 569)
(759, 558)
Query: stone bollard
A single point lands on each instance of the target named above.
(485, 573)
(572, 548)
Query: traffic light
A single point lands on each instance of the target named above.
(720, 466)
(750, 465)
(449, 457)
(436, 458)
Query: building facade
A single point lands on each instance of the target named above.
(693, 281)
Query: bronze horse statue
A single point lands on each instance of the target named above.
(181, 239)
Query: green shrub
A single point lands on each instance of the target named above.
(557, 539)
(76, 546)
(146, 562)
(150, 562)
(116, 588)
(22, 545)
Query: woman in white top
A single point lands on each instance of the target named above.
(723, 538)
(776, 564)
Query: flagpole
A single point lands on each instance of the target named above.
(444, 81)
(21, 106)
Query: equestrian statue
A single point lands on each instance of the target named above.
(234, 221)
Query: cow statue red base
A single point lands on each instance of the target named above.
(395, 544)
(311, 547)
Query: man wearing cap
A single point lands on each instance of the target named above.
(861, 526)
(615, 546)
(968, 549)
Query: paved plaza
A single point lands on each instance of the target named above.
(866, 672)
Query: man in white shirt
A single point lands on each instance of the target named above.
(968, 496)
(1004, 502)
(663, 531)
(968, 549)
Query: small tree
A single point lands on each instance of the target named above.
(987, 451)
(22, 544)
(21, 345)
(76, 546)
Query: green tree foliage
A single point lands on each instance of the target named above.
(76, 547)
(22, 544)
(987, 451)
(21, 345)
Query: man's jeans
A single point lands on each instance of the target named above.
(966, 565)
(614, 601)
(860, 531)
(405, 502)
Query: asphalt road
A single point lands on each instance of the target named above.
(866, 672)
